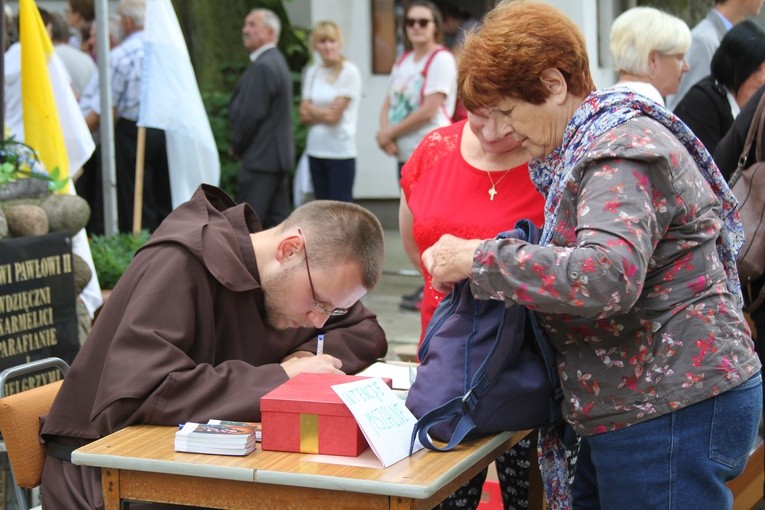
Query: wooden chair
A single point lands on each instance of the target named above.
(20, 424)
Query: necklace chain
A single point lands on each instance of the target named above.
(493, 189)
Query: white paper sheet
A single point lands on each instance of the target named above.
(401, 374)
(383, 418)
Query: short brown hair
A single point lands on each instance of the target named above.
(517, 41)
(340, 232)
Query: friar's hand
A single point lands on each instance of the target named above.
(323, 364)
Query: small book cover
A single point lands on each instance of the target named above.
(240, 424)
(221, 437)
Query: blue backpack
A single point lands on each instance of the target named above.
(485, 368)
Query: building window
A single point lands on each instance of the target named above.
(388, 35)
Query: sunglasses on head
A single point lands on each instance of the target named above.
(421, 22)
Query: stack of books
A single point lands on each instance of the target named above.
(219, 437)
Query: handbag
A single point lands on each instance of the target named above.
(485, 368)
(748, 185)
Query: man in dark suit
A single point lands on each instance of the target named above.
(261, 121)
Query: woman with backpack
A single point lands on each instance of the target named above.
(634, 278)
(423, 85)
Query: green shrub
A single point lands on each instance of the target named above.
(216, 104)
(113, 254)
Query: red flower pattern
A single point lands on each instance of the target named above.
(631, 289)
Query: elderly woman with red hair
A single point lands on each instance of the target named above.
(635, 279)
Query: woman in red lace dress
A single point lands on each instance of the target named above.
(463, 180)
(467, 180)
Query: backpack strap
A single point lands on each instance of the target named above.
(760, 121)
(758, 301)
(432, 55)
(401, 58)
(533, 235)
(439, 48)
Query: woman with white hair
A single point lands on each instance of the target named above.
(648, 47)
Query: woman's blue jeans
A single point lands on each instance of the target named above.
(674, 462)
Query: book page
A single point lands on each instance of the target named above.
(402, 374)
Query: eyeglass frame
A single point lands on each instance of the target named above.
(420, 22)
(335, 312)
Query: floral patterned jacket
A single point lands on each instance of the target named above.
(631, 290)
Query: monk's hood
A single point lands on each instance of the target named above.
(216, 230)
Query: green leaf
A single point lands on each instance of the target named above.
(112, 255)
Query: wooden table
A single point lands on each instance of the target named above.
(140, 463)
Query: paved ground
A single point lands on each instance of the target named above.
(399, 278)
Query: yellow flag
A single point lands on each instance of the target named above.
(42, 129)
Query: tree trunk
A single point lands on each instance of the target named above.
(213, 33)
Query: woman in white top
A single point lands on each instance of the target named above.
(648, 47)
(330, 107)
(423, 85)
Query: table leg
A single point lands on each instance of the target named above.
(398, 503)
(110, 483)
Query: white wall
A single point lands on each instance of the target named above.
(584, 13)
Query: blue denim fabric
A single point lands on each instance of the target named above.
(332, 179)
(674, 462)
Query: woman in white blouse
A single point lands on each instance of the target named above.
(329, 106)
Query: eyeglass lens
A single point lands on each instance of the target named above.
(316, 303)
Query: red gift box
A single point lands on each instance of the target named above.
(305, 415)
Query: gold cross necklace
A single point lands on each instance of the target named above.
(493, 189)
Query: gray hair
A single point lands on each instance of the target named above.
(271, 19)
(59, 28)
(133, 9)
(639, 31)
(115, 29)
